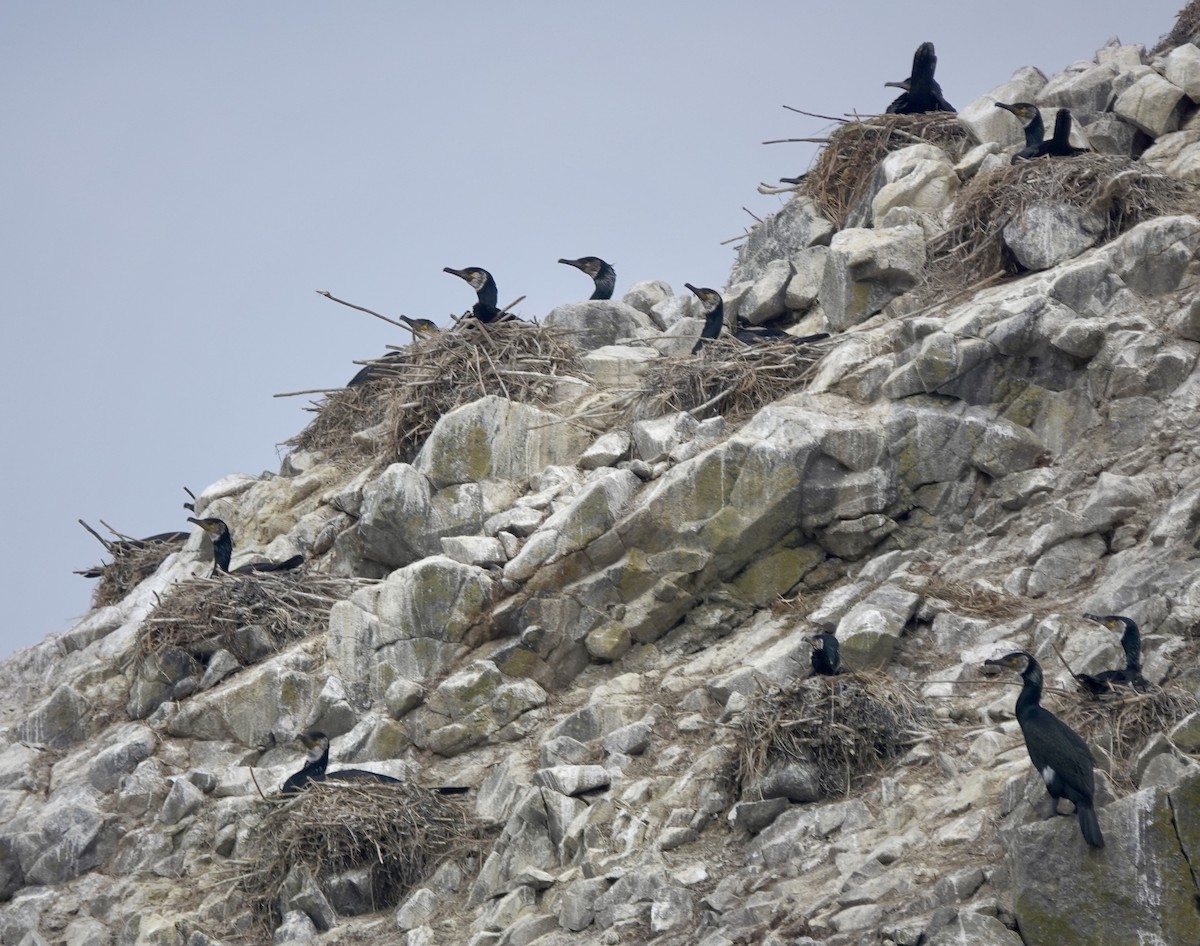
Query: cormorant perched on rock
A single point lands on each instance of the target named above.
(826, 660)
(714, 319)
(1058, 753)
(921, 90)
(222, 543)
(1131, 642)
(317, 761)
(485, 308)
(1036, 145)
(373, 372)
(603, 275)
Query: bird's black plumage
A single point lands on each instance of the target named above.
(485, 308)
(316, 764)
(921, 90)
(380, 367)
(1036, 144)
(826, 659)
(714, 314)
(1102, 683)
(1030, 117)
(604, 277)
(222, 543)
(1058, 753)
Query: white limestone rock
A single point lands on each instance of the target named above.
(920, 176)
(765, 299)
(1045, 234)
(1085, 90)
(607, 450)
(619, 366)
(474, 550)
(600, 322)
(1151, 104)
(1182, 69)
(1176, 153)
(808, 267)
(796, 226)
(984, 122)
(866, 269)
(645, 295)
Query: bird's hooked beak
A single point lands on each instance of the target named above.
(906, 85)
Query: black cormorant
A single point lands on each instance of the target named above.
(603, 275)
(222, 543)
(1058, 753)
(1131, 642)
(750, 334)
(714, 319)
(826, 660)
(921, 90)
(1036, 144)
(379, 369)
(316, 761)
(485, 308)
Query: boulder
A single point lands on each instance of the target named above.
(1045, 234)
(1181, 68)
(1081, 90)
(765, 299)
(1151, 104)
(984, 122)
(866, 269)
(920, 177)
(808, 267)
(599, 322)
(619, 366)
(795, 227)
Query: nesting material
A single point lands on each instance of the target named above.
(201, 616)
(521, 361)
(842, 173)
(397, 830)
(1185, 30)
(726, 378)
(846, 726)
(133, 561)
(1119, 192)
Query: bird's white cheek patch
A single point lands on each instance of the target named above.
(1048, 775)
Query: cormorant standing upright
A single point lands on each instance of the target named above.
(603, 275)
(485, 308)
(1058, 753)
(1131, 643)
(826, 660)
(222, 543)
(921, 90)
(714, 314)
(1036, 145)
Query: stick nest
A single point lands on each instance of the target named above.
(1127, 722)
(521, 361)
(133, 561)
(845, 735)
(1185, 30)
(1118, 193)
(202, 616)
(400, 831)
(842, 174)
(726, 378)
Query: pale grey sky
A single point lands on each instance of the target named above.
(180, 178)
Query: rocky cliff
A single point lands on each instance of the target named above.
(574, 569)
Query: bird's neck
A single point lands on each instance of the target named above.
(488, 294)
(1035, 132)
(1030, 698)
(316, 767)
(222, 551)
(606, 282)
(1131, 643)
(714, 322)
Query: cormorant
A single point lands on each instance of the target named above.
(373, 372)
(826, 660)
(603, 275)
(714, 314)
(222, 543)
(921, 90)
(761, 333)
(1036, 145)
(316, 761)
(1058, 753)
(485, 308)
(1131, 643)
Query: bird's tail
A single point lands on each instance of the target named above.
(1090, 826)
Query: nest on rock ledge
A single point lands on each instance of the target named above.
(842, 173)
(133, 561)
(1185, 30)
(204, 615)
(726, 377)
(1117, 192)
(397, 831)
(846, 727)
(417, 384)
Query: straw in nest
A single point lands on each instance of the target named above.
(845, 167)
(727, 378)
(203, 615)
(133, 561)
(847, 727)
(521, 361)
(1117, 192)
(398, 830)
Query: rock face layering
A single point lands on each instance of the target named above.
(591, 628)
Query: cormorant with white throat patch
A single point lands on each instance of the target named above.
(826, 660)
(222, 543)
(714, 319)
(1058, 753)
(603, 275)
(921, 90)
(1036, 144)
(486, 295)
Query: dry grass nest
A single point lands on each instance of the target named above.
(726, 378)
(842, 174)
(846, 726)
(400, 831)
(1125, 723)
(521, 361)
(1185, 30)
(133, 561)
(1115, 191)
(203, 615)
